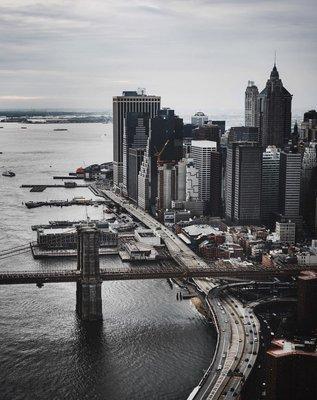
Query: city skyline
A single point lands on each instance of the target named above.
(58, 56)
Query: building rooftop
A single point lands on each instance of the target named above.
(283, 348)
(204, 144)
(57, 231)
(308, 275)
(196, 230)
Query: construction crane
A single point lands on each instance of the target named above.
(159, 153)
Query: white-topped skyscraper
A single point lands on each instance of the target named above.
(130, 101)
(201, 154)
(251, 104)
(208, 162)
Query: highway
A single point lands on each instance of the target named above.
(237, 328)
(237, 346)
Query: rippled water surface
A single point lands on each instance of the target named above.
(149, 345)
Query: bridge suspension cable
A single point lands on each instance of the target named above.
(16, 253)
(12, 249)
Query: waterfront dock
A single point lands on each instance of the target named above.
(65, 203)
(56, 253)
(41, 188)
(68, 177)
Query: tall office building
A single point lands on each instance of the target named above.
(181, 179)
(251, 104)
(192, 181)
(201, 154)
(290, 183)
(274, 112)
(309, 184)
(136, 156)
(207, 160)
(243, 134)
(165, 144)
(307, 301)
(270, 185)
(207, 131)
(199, 119)
(135, 134)
(221, 124)
(167, 187)
(243, 183)
(308, 128)
(215, 208)
(291, 371)
(130, 101)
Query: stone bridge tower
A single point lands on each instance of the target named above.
(88, 296)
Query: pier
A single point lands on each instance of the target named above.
(65, 203)
(41, 188)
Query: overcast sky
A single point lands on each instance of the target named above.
(196, 54)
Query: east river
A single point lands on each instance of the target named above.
(149, 346)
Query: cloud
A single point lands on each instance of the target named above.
(195, 53)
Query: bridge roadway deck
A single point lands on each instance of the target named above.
(133, 273)
(163, 269)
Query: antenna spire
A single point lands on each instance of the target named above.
(275, 58)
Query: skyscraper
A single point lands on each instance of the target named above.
(270, 185)
(201, 154)
(167, 186)
(122, 105)
(165, 144)
(243, 134)
(135, 160)
(290, 184)
(199, 119)
(207, 131)
(291, 371)
(243, 183)
(207, 160)
(192, 181)
(251, 104)
(275, 111)
(135, 134)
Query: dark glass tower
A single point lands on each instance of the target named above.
(243, 183)
(165, 144)
(130, 101)
(135, 135)
(275, 112)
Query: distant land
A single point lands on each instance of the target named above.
(53, 116)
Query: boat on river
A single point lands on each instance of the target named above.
(10, 174)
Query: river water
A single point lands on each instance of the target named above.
(149, 346)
